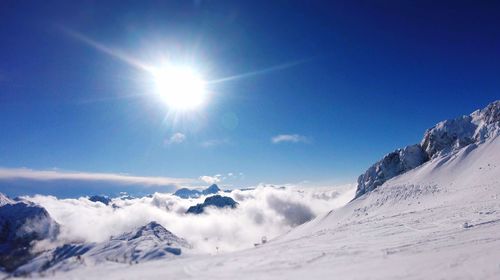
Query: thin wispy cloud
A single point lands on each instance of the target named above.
(176, 138)
(290, 138)
(124, 179)
(214, 142)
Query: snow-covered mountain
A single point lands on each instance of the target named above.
(149, 242)
(22, 224)
(444, 138)
(192, 193)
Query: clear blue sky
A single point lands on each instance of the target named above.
(363, 78)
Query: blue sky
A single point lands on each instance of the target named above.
(343, 83)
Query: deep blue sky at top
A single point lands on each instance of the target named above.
(376, 75)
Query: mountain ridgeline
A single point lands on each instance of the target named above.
(190, 193)
(444, 138)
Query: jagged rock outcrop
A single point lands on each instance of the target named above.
(451, 135)
(444, 138)
(214, 201)
(391, 165)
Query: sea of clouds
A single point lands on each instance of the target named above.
(264, 211)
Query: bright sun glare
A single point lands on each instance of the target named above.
(180, 87)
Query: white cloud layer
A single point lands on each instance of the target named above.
(50, 175)
(264, 211)
(291, 138)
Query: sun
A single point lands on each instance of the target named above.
(180, 87)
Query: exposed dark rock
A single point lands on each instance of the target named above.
(215, 201)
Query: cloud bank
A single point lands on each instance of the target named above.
(291, 138)
(125, 179)
(263, 211)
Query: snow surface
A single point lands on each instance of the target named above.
(440, 220)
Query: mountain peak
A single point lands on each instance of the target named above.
(5, 200)
(211, 190)
(446, 137)
(100, 198)
(216, 201)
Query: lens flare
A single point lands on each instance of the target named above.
(180, 87)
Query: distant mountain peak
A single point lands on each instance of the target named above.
(217, 201)
(213, 189)
(191, 193)
(100, 198)
(5, 200)
(154, 230)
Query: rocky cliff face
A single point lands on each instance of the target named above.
(444, 138)
(391, 165)
(451, 135)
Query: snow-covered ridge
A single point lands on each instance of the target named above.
(149, 242)
(450, 135)
(446, 137)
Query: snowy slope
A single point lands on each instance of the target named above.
(439, 220)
